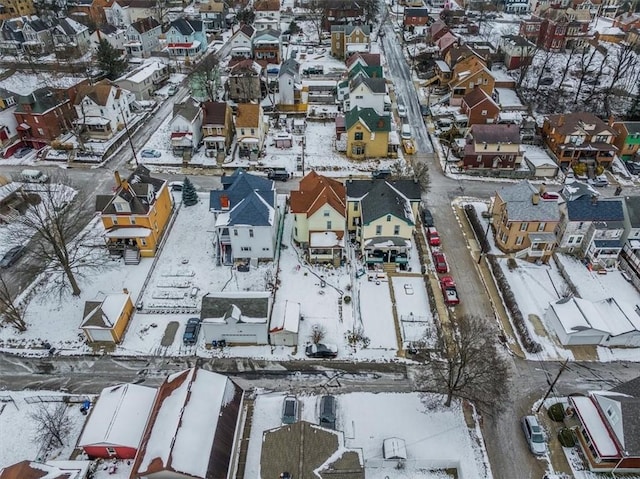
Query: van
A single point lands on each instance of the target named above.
(405, 132)
(278, 175)
(328, 412)
(33, 176)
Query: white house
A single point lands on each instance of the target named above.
(236, 317)
(267, 15)
(288, 81)
(118, 14)
(144, 80)
(71, 37)
(240, 43)
(143, 37)
(285, 324)
(116, 37)
(186, 127)
(367, 93)
(103, 109)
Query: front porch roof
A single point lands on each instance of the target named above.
(127, 233)
(595, 426)
(326, 239)
(542, 237)
(380, 242)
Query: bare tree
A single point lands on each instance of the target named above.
(415, 169)
(623, 63)
(524, 68)
(206, 76)
(52, 424)
(584, 66)
(317, 10)
(12, 312)
(318, 333)
(471, 367)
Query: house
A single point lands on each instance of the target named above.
(8, 131)
(102, 109)
(340, 12)
(143, 37)
(524, 222)
(38, 40)
(627, 139)
(289, 85)
(116, 422)
(18, 8)
(106, 321)
(517, 50)
(495, 146)
(12, 36)
(144, 80)
(319, 210)
(191, 405)
(251, 130)
(369, 93)
(540, 163)
(415, 19)
(285, 324)
(48, 470)
(593, 229)
(368, 134)
(241, 42)
(246, 82)
(144, 8)
(556, 29)
(247, 218)
(436, 31)
(577, 321)
(186, 128)
(88, 12)
(236, 317)
(267, 49)
(267, 15)
(607, 429)
(446, 42)
(186, 38)
(580, 137)
(366, 64)
(314, 451)
(468, 74)
(70, 38)
(118, 14)
(382, 215)
(630, 255)
(115, 36)
(517, 6)
(217, 129)
(213, 14)
(627, 21)
(135, 216)
(349, 39)
(479, 107)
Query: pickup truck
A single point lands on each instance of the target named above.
(449, 291)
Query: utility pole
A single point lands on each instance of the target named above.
(126, 128)
(562, 368)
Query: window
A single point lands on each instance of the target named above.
(396, 230)
(245, 248)
(155, 226)
(358, 136)
(483, 112)
(328, 225)
(133, 220)
(235, 232)
(542, 226)
(326, 213)
(519, 240)
(524, 226)
(111, 451)
(143, 242)
(250, 233)
(115, 218)
(388, 218)
(295, 231)
(41, 131)
(378, 230)
(580, 225)
(355, 208)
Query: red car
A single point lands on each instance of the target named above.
(433, 236)
(440, 262)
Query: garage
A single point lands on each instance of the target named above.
(236, 317)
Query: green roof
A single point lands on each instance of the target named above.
(370, 118)
(371, 71)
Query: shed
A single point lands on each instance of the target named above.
(236, 317)
(539, 162)
(299, 126)
(394, 448)
(106, 320)
(116, 423)
(283, 140)
(285, 323)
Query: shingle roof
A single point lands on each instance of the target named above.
(496, 133)
(370, 59)
(99, 92)
(518, 40)
(633, 127)
(477, 96)
(246, 66)
(41, 100)
(376, 85)
(316, 191)
(69, 26)
(588, 209)
(567, 123)
(248, 115)
(632, 388)
(144, 25)
(251, 304)
(380, 198)
(633, 210)
(186, 26)
(134, 191)
(266, 5)
(35, 470)
(215, 112)
(188, 110)
(290, 67)
(416, 12)
(256, 209)
(520, 206)
(238, 186)
(370, 118)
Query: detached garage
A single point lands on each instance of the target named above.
(285, 322)
(106, 321)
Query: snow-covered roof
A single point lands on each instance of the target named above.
(288, 321)
(142, 73)
(137, 232)
(394, 448)
(595, 426)
(24, 84)
(577, 315)
(118, 416)
(537, 156)
(324, 239)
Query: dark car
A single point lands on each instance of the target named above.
(12, 256)
(278, 175)
(546, 81)
(427, 218)
(320, 350)
(191, 331)
(22, 152)
(634, 168)
(328, 412)
(381, 174)
(290, 410)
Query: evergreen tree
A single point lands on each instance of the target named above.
(189, 195)
(109, 60)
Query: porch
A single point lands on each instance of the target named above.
(130, 243)
(224, 251)
(542, 246)
(383, 250)
(181, 142)
(249, 148)
(326, 247)
(605, 253)
(186, 49)
(97, 128)
(214, 146)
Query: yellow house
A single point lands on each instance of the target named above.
(347, 40)
(368, 134)
(135, 216)
(106, 321)
(319, 211)
(382, 216)
(17, 8)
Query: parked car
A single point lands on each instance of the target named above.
(12, 256)
(176, 185)
(427, 218)
(424, 110)
(328, 412)
(402, 110)
(320, 350)
(191, 331)
(534, 435)
(149, 153)
(546, 81)
(440, 262)
(433, 236)
(278, 175)
(290, 410)
(33, 176)
(550, 195)
(449, 291)
(381, 174)
(633, 167)
(22, 152)
(405, 132)
(599, 181)
(172, 90)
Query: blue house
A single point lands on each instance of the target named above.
(186, 38)
(246, 214)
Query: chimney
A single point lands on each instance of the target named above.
(125, 290)
(594, 199)
(224, 202)
(561, 120)
(118, 179)
(535, 198)
(542, 190)
(611, 120)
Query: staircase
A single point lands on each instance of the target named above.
(131, 256)
(389, 267)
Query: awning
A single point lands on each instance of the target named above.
(250, 140)
(23, 127)
(595, 426)
(184, 46)
(375, 259)
(128, 233)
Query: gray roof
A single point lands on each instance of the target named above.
(187, 109)
(633, 210)
(251, 305)
(633, 127)
(135, 193)
(416, 12)
(587, 209)
(632, 388)
(376, 85)
(186, 26)
(253, 210)
(289, 66)
(240, 185)
(572, 190)
(380, 198)
(520, 207)
(496, 133)
(348, 29)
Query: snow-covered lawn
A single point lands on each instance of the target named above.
(417, 325)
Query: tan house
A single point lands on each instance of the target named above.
(217, 129)
(106, 321)
(524, 222)
(251, 130)
(319, 208)
(467, 74)
(347, 40)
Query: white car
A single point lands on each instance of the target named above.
(402, 111)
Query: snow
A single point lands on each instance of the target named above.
(414, 313)
(595, 426)
(324, 239)
(537, 155)
(23, 83)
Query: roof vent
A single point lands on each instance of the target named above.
(535, 198)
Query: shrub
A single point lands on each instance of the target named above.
(476, 225)
(556, 412)
(566, 437)
(346, 299)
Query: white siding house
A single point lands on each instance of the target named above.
(236, 317)
(367, 93)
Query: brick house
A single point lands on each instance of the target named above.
(338, 12)
(479, 107)
(517, 51)
(415, 17)
(556, 29)
(493, 147)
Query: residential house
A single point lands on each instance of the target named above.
(186, 128)
(105, 321)
(517, 6)
(8, 124)
(186, 38)
(627, 140)
(479, 107)
(627, 21)
(38, 40)
(340, 12)
(143, 37)
(382, 215)
(217, 129)
(539, 161)
(495, 146)
(524, 222)
(517, 50)
(349, 39)
(319, 210)
(285, 324)
(556, 29)
(213, 14)
(363, 59)
(246, 218)
(18, 8)
(368, 134)
(251, 130)
(102, 109)
(267, 15)
(580, 137)
(236, 317)
(144, 80)
(70, 38)
(267, 49)
(145, 8)
(87, 12)
(593, 229)
(446, 42)
(241, 42)
(12, 36)
(607, 429)
(630, 255)
(436, 31)
(467, 74)
(369, 93)
(116, 422)
(48, 470)
(415, 19)
(135, 216)
(191, 404)
(289, 85)
(246, 82)
(115, 36)
(118, 14)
